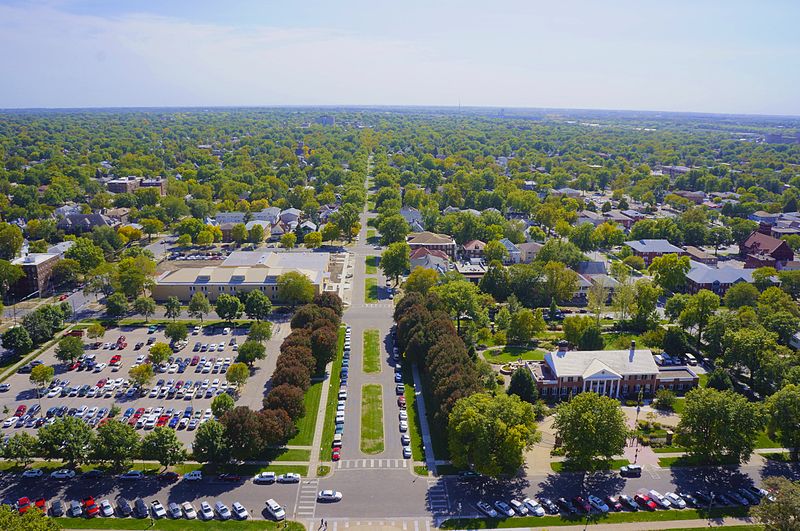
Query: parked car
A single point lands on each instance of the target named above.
(106, 509)
(222, 511)
(206, 511)
(504, 508)
(264, 478)
(486, 509)
(629, 503)
(275, 510)
(289, 477)
(124, 507)
(613, 503)
(140, 509)
(57, 508)
(188, 510)
(675, 500)
(548, 505)
(631, 471)
(645, 502)
(519, 507)
(597, 503)
(158, 509)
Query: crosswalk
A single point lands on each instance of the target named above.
(360, 464)
(406, 524)
(438, 500)
(379, 305)
(307, 498)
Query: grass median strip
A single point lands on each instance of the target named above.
(308, 422)
(333, 399)
(372, 419)
(372, 351)
(414, 427)
(610, 518)
(372, 265)
(370, 290)
(175, 525)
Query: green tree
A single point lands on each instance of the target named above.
(68, 438)
(162, 445)
(524, 325)
(210, 444)
(720, 380)
(741, 294)
(42, 375)
(719, 425)
(783, 409)
(151, 226)
(184, 240)
(496, 281)
(421, 280)
(462, 299)
(675, 305)
(260, 331)
(646, 297)
(17, 340)
(10, 274)
(159, 353)
(135, 275)
(141, 375)
(346, 219)
(396, 260)
(665, 400)
(116, 443)
(719, 237)
(312, 240)
(295, 288)
(669, 271)
(257, 305)
(237, 374)
(144, 306)
(494, 250)
(86, 253)
(523, 386)
(582, 237)
(228, 307)
(256, 234)
(330, 232)
(65, 272)
(204, 238)
(172, 308)
(288, 240)
(239, 233)
(250, 351)
(502, 318)
(781, 510)
(560, 283)
(699, 309)
(10, 241)
(591, 338)
(69, 349)
(221, 404)
(592, 429)
(199, 306)
(95, 330)
(763, 277)
(176, 332)
(393, 229)
(30, 520)
(491, 433)
(21, 447)
(116, 304)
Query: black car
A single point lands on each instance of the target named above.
(690, 500)
(703, 498)
(749, 496)
(92, 474)
(56, 508)
(124, 507)
(468, 474)
(140, 509)
(548, 505)
(566, 506)
(723, 499)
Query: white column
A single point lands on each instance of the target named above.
(584, 385)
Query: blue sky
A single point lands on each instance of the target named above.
(721, 56)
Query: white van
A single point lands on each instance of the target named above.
(275, 510)
(690, 359)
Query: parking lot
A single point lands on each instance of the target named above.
(191, 380)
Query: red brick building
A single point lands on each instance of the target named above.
(762, 250)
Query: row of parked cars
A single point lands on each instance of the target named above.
(646, 500)
(336, 450)
(405, 440)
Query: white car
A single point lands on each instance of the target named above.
(329, 496)
(194, 475)
(403, 425)
(54, 392)
(275, 510)
(675, 500)
(519, 507)
(239, 511)
(403, 415)
(289, 477)
(63, 473)
(597, 503)
(196, 330)
(158, 509)
(132, 475)
(486, 509)
(106, 509)
(533, 506)
(264, 478)
(206, 511)
(660, 500)
(222, 510)
(10, 421)
(99, 367)
(33, 473)
(407, 452)
(188, 510)
(504, 508)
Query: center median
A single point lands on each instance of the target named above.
(372, 419)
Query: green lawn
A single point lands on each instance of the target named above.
(566, 466)
(333, 399)
(372, 264)
(50, 466)
(242, 470)
(372, 419)
(289, 454)
(610, 518)
(323, 470)
(686, 460)
(175, 525)
(414, 428)
(438, 433)
(765, 442)
(370, 290)
(308, 422)
(509, 354)
(620, 340)
(372, 351)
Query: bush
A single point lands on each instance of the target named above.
(665, 400)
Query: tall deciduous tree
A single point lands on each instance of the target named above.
(211, 444)
(592, 429)
(199, 306)
(421, 280)
(228, 307)
(462, 299)
(781, 510)
(295, 288)
(69, 349)
(68, 438)
(491, 433)
(699, 309)
(396, 260)
(176, 332)
(669, 271)
(784, 417)
(162, 445)
(144, 306)
(257, 305)
(523, 386)
(172, 308)
(116, 443)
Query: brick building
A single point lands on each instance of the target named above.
(38, 269)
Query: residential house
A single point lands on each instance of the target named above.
(67, 210)
(765, 219)
(514, 254)
(762, 250)
(472, 270)
(79, 223)
(616, 216)
(120, 215)
(649, 249)
(411, 215)
(432, 241)
(123, 185)
(528, 251)
(290, 215)
(699, 255)
(430, 259)
(695, 197)
(587, 216)
(61, 248)
(473, 249)
(716, 279)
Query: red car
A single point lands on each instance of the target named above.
(229, 477)
(401, 401)
(23, 504)
(21, 410)
(63, 297)
(74, 366)
(116, 358)
(162, 420)
(90, 507)
(102, 382)
(168, 477)
(195, 361)
(645, 501)
(335, 456)
(581, 504)
(41, 504)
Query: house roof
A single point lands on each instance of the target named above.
(422, 252)
(473, 245)
(763, 243)
(622, 362)
(508, 244)
(529, 247)
(703, 274)
(653, 246)
(429, 238)
(588, 267)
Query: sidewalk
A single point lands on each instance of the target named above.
(430, 460)
(314, 461)
(647, 526)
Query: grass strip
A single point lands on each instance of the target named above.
(510, 354)
(690, 460)
(566, 466)
(370, 290)
(308, 422)
(333, 398)
(372, 265)
(372, 419)
(438, 433)
(372, 351)
(610, 518)
(414, 426)
(242, 470)
(174, 525)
